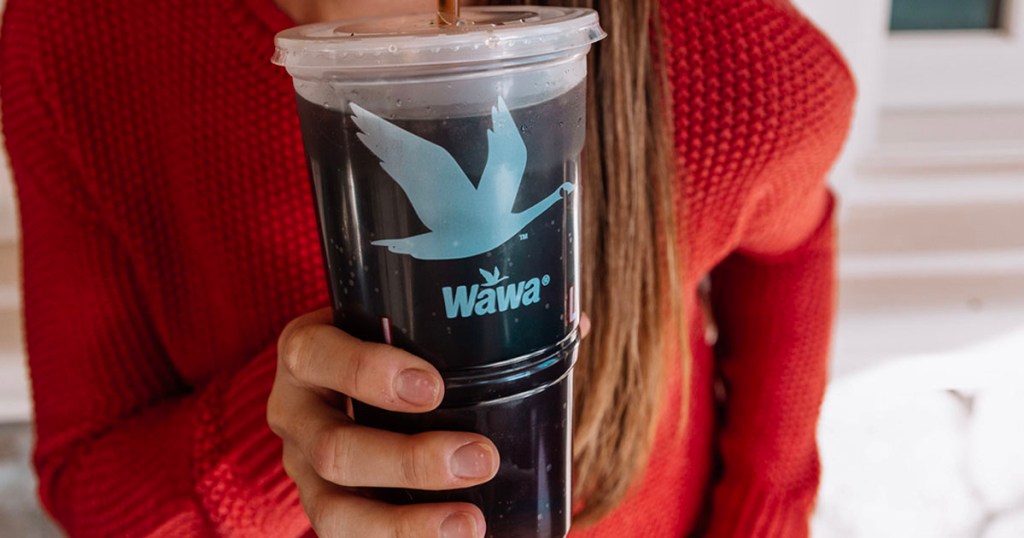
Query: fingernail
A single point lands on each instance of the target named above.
(417, 387)
(473, 461)
(460, 525)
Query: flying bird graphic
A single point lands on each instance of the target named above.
(464, 220)
(492, 279)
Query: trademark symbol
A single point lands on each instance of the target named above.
(524, 237)
(546, 280)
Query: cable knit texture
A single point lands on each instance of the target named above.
(169, 235)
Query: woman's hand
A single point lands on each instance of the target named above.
(327, 454)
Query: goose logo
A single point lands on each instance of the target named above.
(492, 296)
(464, 220)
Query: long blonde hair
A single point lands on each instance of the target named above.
(631, 285)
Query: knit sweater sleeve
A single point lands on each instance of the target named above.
(773, 296)
(125, 447)
(774, 313)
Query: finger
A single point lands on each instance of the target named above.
(338, 513)
(348, 454)
(293, 410)
(320, 355)
(584, 325)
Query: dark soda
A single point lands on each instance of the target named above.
(501, 324)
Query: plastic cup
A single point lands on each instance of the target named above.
(445, 165)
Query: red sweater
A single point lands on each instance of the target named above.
(169, 235)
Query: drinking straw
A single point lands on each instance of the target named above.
(447, 12)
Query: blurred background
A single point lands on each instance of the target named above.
(922, 431)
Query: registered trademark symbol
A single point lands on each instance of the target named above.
(524, 237)
(546, 280)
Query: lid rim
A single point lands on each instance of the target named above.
(553, 30)
(520, 59)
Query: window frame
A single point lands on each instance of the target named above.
(957, 68)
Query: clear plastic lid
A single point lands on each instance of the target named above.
(484, 34)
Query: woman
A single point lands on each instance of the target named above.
(169, 238)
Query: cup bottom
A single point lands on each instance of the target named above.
(530, 496)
